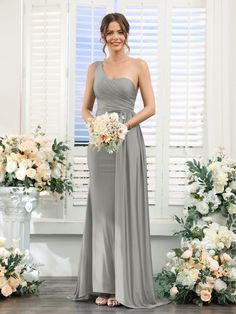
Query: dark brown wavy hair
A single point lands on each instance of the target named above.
(114, 17)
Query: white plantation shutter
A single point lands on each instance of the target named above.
(144, 41)
(85, 20)
(144, 20)
(88, 15)
(171, 37)
(45, 67)
(187, 95)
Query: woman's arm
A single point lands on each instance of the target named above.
(89, 96)
(146, 93)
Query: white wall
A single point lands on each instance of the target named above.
(233, 79)
(60, 253)
(10, 65)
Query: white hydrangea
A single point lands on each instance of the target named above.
(220, 285)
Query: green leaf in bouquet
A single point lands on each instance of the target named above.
(164, 281)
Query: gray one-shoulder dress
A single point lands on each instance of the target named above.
(116, 252)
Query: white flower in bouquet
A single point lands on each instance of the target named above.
(31, 275)
(232, 185)
(186, 278)
(211, 197)
(171, 254)
(228, 194)
(202, 207)
(6, 290)
(3, 281)
(232, 274)
(193, 187)
(11, 165)
(232, 209)
(173, 291)
(220, 285)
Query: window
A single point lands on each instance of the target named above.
(63, 38)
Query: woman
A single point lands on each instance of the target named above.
(115, 258)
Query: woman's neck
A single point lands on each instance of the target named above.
(117, 57)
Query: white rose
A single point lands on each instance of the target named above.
(220, 285)
(192, 188)
(56, 173)
(25, 163)
(232, 185)
(114, 116)
(20, 174)
(232, 273)
(222, 178)
(3, 281)
(226, 257)
(214, 167)
(173, 291)
(11, 166)
(6, 290)
(202, 208)
(194, 274)
(31, 276)
(232, 209)
(31, 172)
(218, 188)
(220, 245)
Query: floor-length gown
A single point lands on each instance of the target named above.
(116, 252)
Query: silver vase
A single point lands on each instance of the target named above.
(17, 205)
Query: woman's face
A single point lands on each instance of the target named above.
(115, 37)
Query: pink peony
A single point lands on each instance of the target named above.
(205, 295)
(187, 254)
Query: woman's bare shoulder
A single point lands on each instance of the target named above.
(141, 63)
(91, 69)
(140, 66)
(92, 66)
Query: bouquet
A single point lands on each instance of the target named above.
(34, 161)
(203, 270)
(18, 273)
(106, 131)
(211, 189)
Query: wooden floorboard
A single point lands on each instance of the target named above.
(53, 299)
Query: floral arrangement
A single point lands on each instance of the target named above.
(203, 269)
(106, 131)
(34, 161)
(211, 189)
(18, 273)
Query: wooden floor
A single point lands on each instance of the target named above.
(53, 299)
